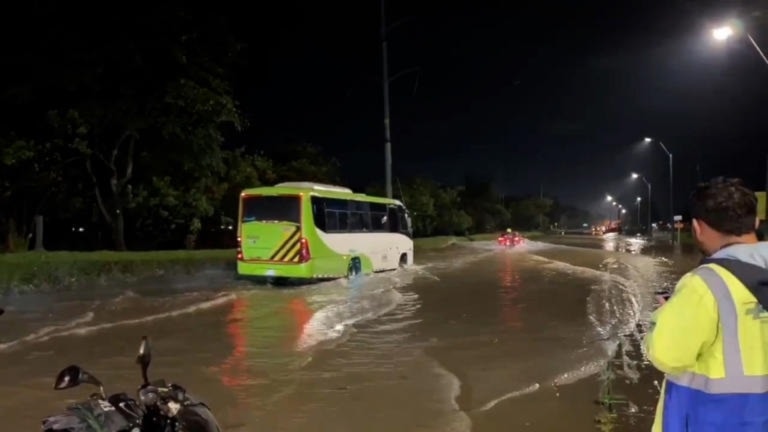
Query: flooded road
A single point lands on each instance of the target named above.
(471, 338)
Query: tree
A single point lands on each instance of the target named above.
(151, 86)
(306, 162)
(435, 209)
(451, 219)
(31, 180)
(484, 205)
(243, 171)
(195, 108)
(419, 197)
(530, 213)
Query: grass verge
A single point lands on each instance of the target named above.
(62, 270)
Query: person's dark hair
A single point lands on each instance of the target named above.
(726, 205)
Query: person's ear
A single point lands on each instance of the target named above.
(696, 227)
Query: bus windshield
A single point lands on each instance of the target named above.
(271, 208)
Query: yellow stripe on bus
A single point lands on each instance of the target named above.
(288, 251)
(286, 244)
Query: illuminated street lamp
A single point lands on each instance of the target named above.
(637, 203)
(723, 33)
(647, 183)
(609, 200)
(620, 210)
(671, 185)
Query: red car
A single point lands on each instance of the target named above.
(510, 239)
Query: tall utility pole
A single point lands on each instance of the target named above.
(671, 194)
(541, 206)
(671, 188)
(648, 184)
(385, 93)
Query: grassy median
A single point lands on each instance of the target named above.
(65, 270)
(61, 270)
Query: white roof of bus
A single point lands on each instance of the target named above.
(323, 187)
(314, 186)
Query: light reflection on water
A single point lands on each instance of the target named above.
(262, 338)
(233, 370)
(510, 286)
(616, 243)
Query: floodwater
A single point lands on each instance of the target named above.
(470, 338)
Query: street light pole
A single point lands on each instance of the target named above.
(671, 195)
(639, 223)
(757, 47)
(385, 91)
(648, 184)
(671, 189)
(723, 33)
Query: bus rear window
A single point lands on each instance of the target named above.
(277, 208)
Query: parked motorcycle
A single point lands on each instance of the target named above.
(159, 406)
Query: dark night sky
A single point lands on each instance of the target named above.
(557, 94)
(546, 94)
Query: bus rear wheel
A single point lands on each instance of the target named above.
(403, 260)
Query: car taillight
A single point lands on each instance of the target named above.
(239, 249)
(304, 254)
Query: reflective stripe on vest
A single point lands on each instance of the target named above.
(735, 381)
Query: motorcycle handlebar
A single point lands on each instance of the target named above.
(152, 394)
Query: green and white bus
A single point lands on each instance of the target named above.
(305, 230)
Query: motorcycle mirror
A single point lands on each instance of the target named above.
(73, 376)
(144, 358)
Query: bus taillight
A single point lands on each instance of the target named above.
(239, 249)
(304, 254)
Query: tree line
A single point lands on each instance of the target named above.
(121, 141)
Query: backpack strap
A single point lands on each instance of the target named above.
(754, 277)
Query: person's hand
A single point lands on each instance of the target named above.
(662, 299)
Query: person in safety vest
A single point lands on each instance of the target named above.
(710, 337)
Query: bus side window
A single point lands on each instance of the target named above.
(336, 204)
(379, 218)
(394, 219)
(318, 212)
(355, 221)
(359, 216)
(332, 221)
(336, 213)
(343, 221)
